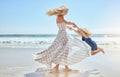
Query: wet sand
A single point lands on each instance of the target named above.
(15, 62)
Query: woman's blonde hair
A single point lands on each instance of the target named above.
(58, 11)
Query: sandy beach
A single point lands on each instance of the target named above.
(15, 62)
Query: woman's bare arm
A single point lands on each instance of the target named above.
(69, 23)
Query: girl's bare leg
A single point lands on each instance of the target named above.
(100, 49)
(97, 51)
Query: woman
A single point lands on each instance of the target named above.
(58, 52)
(86, 37)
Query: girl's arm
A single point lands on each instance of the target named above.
(76, 31)
(72, 23)
(79, 31)
(75, 28)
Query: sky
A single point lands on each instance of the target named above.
(29, 16)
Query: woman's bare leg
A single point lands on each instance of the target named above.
(67, 68)
(56, 68)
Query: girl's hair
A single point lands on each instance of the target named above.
(86, 31)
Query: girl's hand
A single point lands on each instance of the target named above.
(75, 26)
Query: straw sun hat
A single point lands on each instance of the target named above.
(86, 31)
(62, 10)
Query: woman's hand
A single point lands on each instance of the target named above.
(69, 28)
(70, 23)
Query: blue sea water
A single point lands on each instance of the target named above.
(44, 40)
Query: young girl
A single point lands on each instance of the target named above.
(86, 37)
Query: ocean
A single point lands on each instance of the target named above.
(44, 40)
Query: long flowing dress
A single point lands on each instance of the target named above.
(65, 49)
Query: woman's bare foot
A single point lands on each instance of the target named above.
(67, 68)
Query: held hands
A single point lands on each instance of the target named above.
(70, 28)
(73, 26)
(71, 23)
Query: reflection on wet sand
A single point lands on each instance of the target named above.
(72, 73)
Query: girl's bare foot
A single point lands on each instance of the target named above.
(97, 51)
(93, 52)
(102, 50)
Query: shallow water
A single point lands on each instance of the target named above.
(41, 41)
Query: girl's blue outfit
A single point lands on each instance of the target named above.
(90, 42)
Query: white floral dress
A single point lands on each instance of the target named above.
(65, 49)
